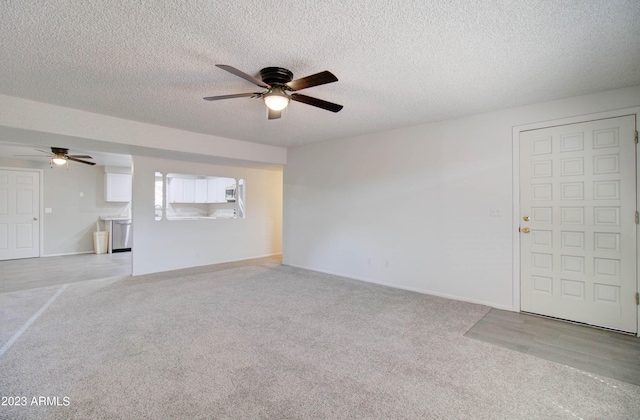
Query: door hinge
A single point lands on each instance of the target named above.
(637, 298)
(636, 137)
(637, 218)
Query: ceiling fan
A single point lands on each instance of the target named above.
(279, 82)
(60, 156)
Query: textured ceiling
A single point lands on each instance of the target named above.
(400, 62)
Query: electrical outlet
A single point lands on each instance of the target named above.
(386, 263)
(81, 194)
(495, 212)
(369, 260)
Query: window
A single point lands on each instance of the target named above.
(191, 197)
(159, 196)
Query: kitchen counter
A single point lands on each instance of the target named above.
(172, 218)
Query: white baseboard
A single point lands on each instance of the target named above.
(410, 289)
(250, 258)
(66, 254)
(204, 265)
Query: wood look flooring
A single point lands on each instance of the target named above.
(600, 352)
(31, 273)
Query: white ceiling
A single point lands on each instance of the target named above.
(400, 62)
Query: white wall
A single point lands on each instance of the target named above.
(69, 228)
(420, 198)
(173, 244)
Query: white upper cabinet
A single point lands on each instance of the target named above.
(198, 190)
(117, 187)
(212, 190)
(175, 190)
(201, 191)
(182, 190)
(216, 190)
(188, 190)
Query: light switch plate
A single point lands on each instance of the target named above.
(48, 210)
(495, 212)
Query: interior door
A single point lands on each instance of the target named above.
(19, 213)
(577, 227)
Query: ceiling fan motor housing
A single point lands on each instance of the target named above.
(276, 75)
(59, 151)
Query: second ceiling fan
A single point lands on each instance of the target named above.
(279, 82)
(61, 156)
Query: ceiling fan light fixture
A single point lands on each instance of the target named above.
(58, 160)
(276, 99)
(278, 82)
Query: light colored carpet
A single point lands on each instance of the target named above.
(276, 342)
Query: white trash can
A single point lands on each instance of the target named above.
(100, 242)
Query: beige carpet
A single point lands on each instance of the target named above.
(275, 342)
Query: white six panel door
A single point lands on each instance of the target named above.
(578, 189)
(19, 212)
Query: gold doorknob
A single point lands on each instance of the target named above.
(526, 218)
(526, 230)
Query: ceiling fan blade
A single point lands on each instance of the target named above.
(80, 156)
(317, 79)
(273, 115)
(80, 160)
(40, 156)
(237, 95)
(329, 106)
(244, 75)
(48, 153)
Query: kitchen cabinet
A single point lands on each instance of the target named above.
(175, 190)
(216, 190)
(201, 195)
(117, 187)
(184, 190)
(188, 190)
(212, 190)
(198, 190)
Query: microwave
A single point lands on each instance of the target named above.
(230, 193)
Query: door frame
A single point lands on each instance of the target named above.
(41, 209)
(515, 142)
